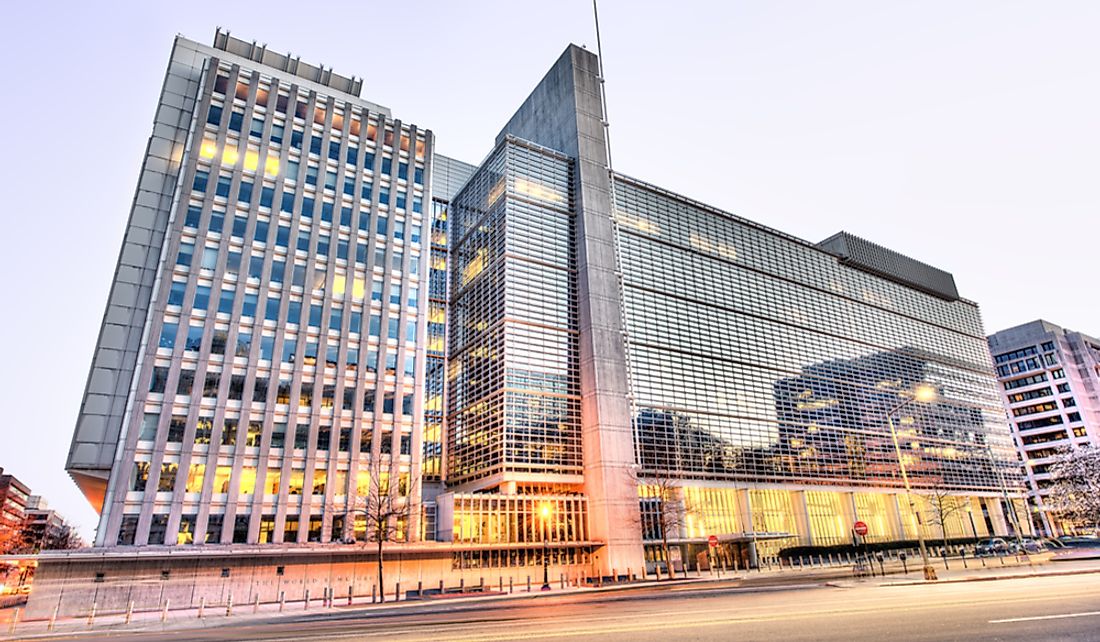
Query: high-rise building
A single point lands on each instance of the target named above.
(263, 349)
(310, 303)
(1050, 385)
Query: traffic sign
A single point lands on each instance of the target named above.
(713, 541)
(860, 528)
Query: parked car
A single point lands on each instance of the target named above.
(1079, 541)
(995, 546)
(1027, 545)
(1052, 543)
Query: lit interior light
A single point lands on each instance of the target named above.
(209, 149)
(251, 160)
(230, 156)
(271, 166)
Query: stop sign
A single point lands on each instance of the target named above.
(713, 541)
(860, 528)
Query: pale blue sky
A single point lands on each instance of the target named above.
(963, 133)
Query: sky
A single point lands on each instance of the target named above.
(964, 134)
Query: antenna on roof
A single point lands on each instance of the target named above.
(603, 89)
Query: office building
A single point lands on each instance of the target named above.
(282, 337)
(1050, 385)
(14, 495)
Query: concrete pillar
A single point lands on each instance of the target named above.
(893, 507)
(801, 515)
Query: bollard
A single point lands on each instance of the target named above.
(562, 578)
(509, 585)
(397, 593)
(614, 575)
(91, 616)
(500, 584)
(282, 600)
(373, 593)
(420, 588)
(164, 612)
(441, 587)
(202, 606)
(229, 605)
(528, 583)
(657, 570)
(129, 611)
(462, 585)
(15, 621)
(256, 604)
(350, 593)
(307, 599)
(53, 619)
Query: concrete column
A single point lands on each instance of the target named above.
(565, 113)
(744, 519)
(893, 506)
(802, 516)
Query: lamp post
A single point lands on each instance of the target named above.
(544, 513)
(922, 394)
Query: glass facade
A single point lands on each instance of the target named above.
(757, 357)
(513, 380)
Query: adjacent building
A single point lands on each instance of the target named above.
(14, 496)
(311, 304)
(1050, 386)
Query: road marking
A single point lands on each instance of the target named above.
(1045, 617)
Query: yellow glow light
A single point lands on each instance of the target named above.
(230, 156)
(358, 288)
(545, 510)
(209, 149)
(251, 160)
(271, 166)
(924, 393)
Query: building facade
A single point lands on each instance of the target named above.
(262, 357)
(1050, 386)
(311, 303)
(14, 496)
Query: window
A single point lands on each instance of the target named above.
(176, 292)
(236, 387)
(289, 348)
(186, 382)
(217, 220)
(301, 436)
(158, 379)
(271, 313)
(176, 427)
(224, 182)
(244, 192)
(236, 120)
(183, 257)
(278, 440)
(244, 344)
(204, 428)
(254, 434)
(167, 481)
(168, 335)
(229, 437)
(249, 307)
(217, 342)
(225, 301)
(214, 115)
(194, 338)
(210, 385)
(141, 475)
(149, 426)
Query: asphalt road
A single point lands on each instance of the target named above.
(1038, 608)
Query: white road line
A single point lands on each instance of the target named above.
(1045, 617)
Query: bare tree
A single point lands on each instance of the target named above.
(387, 509)
(663, 511)
(943, 506)
(1075, 493)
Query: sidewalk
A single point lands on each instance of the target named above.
(837, 575)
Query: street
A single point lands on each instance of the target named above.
(1035, 608)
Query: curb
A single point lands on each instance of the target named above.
(994, 578)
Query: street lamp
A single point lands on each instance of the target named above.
(923, 394)
(544, 512)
